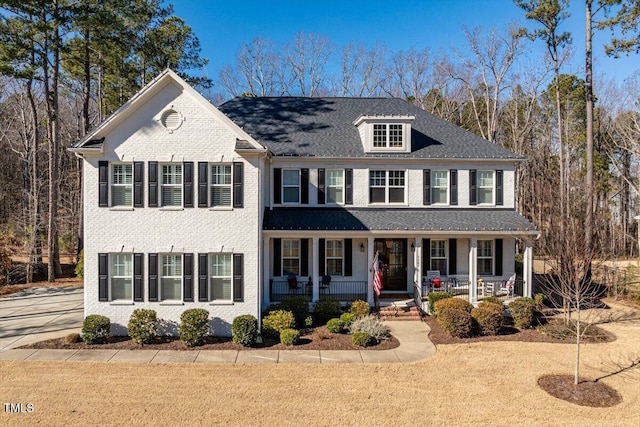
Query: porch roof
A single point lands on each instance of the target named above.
(398, 219)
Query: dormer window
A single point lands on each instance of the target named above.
(382, 134)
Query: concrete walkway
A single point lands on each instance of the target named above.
(414, 346)
(39, 314)
(44, 313)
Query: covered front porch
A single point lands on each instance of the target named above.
(307, 254)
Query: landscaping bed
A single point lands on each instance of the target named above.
(310, 339)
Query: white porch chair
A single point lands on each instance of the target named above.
(506, 287)
(434, 274)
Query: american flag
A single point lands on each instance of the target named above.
(377, 275)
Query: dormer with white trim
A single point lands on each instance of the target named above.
(385, 134)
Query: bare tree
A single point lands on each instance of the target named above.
(360, 71)
(308, 55)
(410, 76)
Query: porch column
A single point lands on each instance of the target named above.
(266, 272)
(417, 262)
(370, 254)
(527, 270)
(473, 270)
(315, 269)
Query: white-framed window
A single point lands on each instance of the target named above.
(335, 186)
(439, 256)
(290, 186)
(220, 185)
(122, 184)
(171, 185)
(388, 135)
(290, 257)
(334, 255)
(171, 277)
(121, 276)
(386, 186)
(439, 187)
(220, 277)
(485, 257)
(485, 187)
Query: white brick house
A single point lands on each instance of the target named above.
(230, 209)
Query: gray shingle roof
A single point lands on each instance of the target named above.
(418, 219)
(291, 126)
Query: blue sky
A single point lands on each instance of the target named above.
(224, 25)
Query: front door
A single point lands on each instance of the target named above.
(393, 263)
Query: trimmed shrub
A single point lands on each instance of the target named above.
(326, 309)
(72, 338)
(362, 339)
(488, 315)
(308, 322)
(347, 319)
(457, 303)
(143, 326)
(522, 311)
(289, 336)
(95, 329)
(194, 326)
(494, 300)
(360, 308)
(434, 297)
(298, 306)
(277, 321)
(79, 270)
(541, 301)
(244, 330)
(456, 322)
(334, 326)
(371, 325)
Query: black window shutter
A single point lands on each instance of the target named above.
(153, 185)
(304, 257)
(238, 185)
(321, 260)
(426, 182)
(153, 277)
(348, 257)
(321, 179)
(203, 183)
(426, 256)
(304, 184)
(187, 184)
(138, 284)
(203, 277)
(453, 187)
(277, 257)
(348, 186)
(277, 185)
(138, 184)
(499, 188)
(103, 277)
(187, 277)
(473, 194)
(498, 258)
(238, 278)
(103, 189)
(453, 256)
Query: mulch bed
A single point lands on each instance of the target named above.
(586, 393)
(312, 339)
(507, 333)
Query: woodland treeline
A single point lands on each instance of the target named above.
(65, 66)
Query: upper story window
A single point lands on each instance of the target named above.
(485, 187)
(290, 186)
(385, 133)
(121, 185)
(386, 186)
(171, 185)
(220, 185)
(171, 277)
(439, 187)
(335, 186)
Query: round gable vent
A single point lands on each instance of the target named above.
(171, 120)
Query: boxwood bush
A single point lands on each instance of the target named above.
(456, 322)
(362, 339)
(95, 329)
(522, 310)
(277, 321)
(289, 336)
(326, 309)
(244, 330)
(489, 316)
(143, 326)
(299, 307)
(194, 326)
(347, 319)
(334, 326)
(456, 303)
(433, 297)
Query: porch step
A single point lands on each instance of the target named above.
(399, 312)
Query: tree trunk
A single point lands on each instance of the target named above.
(588, 226)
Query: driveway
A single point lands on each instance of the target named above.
(42, 314)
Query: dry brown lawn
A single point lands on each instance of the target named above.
(486, 383)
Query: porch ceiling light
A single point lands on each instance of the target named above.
(389, 243)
